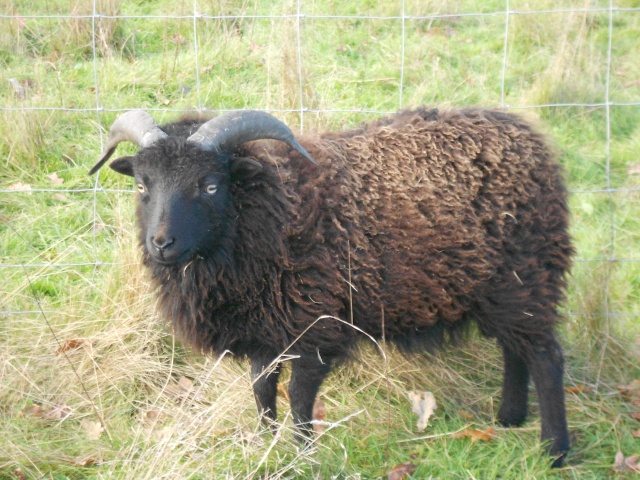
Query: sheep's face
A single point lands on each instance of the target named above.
(184, 204)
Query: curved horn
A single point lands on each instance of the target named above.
(230, 130)
(135, 126)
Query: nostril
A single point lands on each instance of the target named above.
(162, 243)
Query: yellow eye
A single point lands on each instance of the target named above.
(141, 188)
(211, 189)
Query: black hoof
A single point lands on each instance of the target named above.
(511, 417)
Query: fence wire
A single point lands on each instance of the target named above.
(302, 14)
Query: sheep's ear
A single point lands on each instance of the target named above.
(123, 165)
(241, 168)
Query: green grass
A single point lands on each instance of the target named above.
(77, 244)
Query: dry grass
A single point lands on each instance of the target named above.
(169, 413)
(576, 73)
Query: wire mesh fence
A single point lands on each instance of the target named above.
(71, 67)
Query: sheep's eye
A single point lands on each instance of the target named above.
(211, 188)
(141, 188)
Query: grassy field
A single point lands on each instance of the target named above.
(80, 343)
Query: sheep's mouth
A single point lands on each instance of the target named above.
(171, 258)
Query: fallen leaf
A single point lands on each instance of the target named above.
(71, 344)
(633, 386)
(33, 410)
(185, 384)
(626, 464)
(632, 83)
(635, 415)
(55, 179)
(60, 197)
(423, 404)
(87, 461)
(634, 169)
(319, 412)
(636, 433)
(282, 389)
(152, 415)
(19, 187)
(631, 392)
(476, 435)
(92, 429)
(19, 474)
(178, 39)
(466, 415)
(577, 389)
(402, 470)
(57, 411)
(207, 69)
(182, 390)
(319, 409)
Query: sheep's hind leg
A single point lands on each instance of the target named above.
(546, 364)
(541, 359)
(307, 374)
(265, 385)
(513, 411)
(539, 354)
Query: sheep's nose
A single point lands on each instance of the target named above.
(161, 243)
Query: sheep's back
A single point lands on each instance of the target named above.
(427, 210)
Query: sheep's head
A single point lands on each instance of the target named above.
(184, 182)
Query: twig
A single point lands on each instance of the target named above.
(437, 435)
(388, 385)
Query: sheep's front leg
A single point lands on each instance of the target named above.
(265, 385)
(307, 374)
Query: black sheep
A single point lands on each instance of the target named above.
(408, 227)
